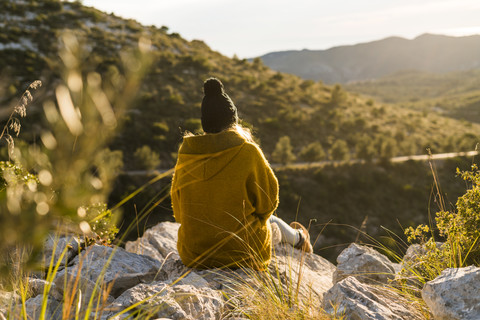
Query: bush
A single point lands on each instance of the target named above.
(365, 149)
(193, 125)
(283, 151)
(146, 158)
(463, 227)
(459, 229)
(339, 150)
(338, 96)
(72, 168)
(313, 152)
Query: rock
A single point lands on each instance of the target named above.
(175, 302)
(119, 269)
(315, 273)
(157, 242)
(414, 267)
(397, 267)
(362, 301)
(174, 291)
(54, 245)
(8, 299)
(37, 286)
(7, 302)
(416, 251)
(454, 294)
(76, 284)
(364, 263)
(33, 308)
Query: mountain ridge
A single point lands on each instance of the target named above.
(362, 61)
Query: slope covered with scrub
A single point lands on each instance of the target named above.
(272, 103)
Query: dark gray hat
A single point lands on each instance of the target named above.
(218, 111)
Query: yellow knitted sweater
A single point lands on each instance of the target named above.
(223, 192)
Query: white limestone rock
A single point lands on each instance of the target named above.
(179, 301)
(361, 301)
(121, 269)
(364, 263)
(455, 294)
(157, 242)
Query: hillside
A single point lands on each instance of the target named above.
(454, 94)
(428, 52)
(272, 103)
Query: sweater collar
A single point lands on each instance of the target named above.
(211, 142)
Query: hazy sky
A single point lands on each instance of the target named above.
(251, 28)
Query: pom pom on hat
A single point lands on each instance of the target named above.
(218, 111)
(212, 86)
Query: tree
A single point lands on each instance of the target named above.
(313, 152)
(339, 96)
(365, 149)
(339, 150)
(283, 151)
(146, 158)
(387, 148)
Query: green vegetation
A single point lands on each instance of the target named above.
(283, 151)
(146, 158)
(340, 197)
(63, 181)
(458, 230)
(313, 152)
(273, 104)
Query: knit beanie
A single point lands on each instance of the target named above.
(218, 110)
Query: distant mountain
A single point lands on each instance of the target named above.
(428, 52)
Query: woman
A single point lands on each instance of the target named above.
(224, 193)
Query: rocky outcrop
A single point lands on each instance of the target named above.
(33, 308)
(455, 294)
(148, 277)
(157, 242)
(37, 286)
(180, 301)
(55, 245)
(364, 263)
(114, 269)
(356, 300)
(7, 300)
(148, 280)
(314, 271)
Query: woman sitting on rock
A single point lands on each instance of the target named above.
(224, 193)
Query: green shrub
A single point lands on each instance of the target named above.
(313, 152)
(364, 148)
(283, 151)
(193, 125)
(72, 168)
(146, 158)
(460, 230)
(102, 221)
(339, 150)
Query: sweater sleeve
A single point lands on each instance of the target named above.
(262, 185)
